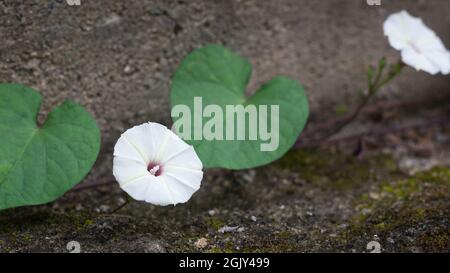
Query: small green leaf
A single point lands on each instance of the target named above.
(38, 165)
(220, 77)
(382, 63)
(396, 68)
(341, 109)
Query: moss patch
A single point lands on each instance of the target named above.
(336, 170)
(404, 212)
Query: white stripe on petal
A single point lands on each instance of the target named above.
(140, 139)
(158, 134)
(157, 193)
(418, 61)
(126, 170)
(190, 177)
(182, 192)
(396, 31)
(138, 188)
(124, 149)
(176, 147)
(441, 58)
(187, 159)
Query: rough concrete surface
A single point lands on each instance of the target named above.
(116, 58)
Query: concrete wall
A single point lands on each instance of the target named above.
(117, 57)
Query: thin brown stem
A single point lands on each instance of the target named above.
(127, 201)
(350, 118)
(372, 89)
(435, 121)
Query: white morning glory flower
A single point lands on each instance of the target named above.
(153, 164)
(420, 47)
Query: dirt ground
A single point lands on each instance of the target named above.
(117, 57)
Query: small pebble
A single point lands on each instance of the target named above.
(374, 195)
(226, 229)
(79, 207)
(104, 208)
(127, 69)
(201, 243)
(213, 212)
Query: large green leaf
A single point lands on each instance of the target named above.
(220, 77)
(38, 165)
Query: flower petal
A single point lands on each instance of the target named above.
(187, 159)
(434, 50)
(182, 190)
(141, 139)
(176, 147)
(126, 170)
(397, 28)
(157, 134)
(419, 61)
(138, 188)
(158, 193)
(190, 177)
(124, 149)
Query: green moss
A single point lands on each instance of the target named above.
(405, 204)
(284, 241)
(333, 169)
(402, 189)
(420, 214)
(214, 223)
(215, 249)
(381, 226)
(229, 247)
(26, 238)
(439, 175)
(435, 241)
(88, 222)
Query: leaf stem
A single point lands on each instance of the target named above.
(127, 201)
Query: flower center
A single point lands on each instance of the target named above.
(154, 169)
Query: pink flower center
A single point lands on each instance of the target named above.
(154, 169)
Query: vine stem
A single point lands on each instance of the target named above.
(127, 201)
(373, 88)
(435, 121)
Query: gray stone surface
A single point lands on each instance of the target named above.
(117, 57)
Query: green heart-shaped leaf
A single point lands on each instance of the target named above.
(220, 77)
(38, 165)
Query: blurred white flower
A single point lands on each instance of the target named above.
(153, 164)
(420, 47)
